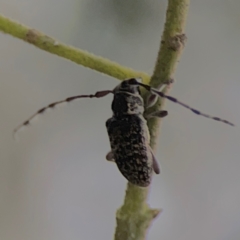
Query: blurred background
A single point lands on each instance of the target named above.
(55, 182)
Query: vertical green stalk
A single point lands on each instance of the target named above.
(135, 216)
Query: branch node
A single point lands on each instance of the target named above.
(177, 42)
(155, 212)
(32, 36)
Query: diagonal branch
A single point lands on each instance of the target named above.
(84, 58)
(135, 216)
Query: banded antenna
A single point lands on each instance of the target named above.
(52, 105)
(173, 99)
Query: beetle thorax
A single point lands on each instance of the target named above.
(125, 103)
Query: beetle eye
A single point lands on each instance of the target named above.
(124, 84)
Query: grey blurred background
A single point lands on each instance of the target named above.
(55, 182)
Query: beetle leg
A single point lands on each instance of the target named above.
(156, 167)
(159, 114)
(152, 99)
(110, 157)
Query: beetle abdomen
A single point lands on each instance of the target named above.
(129, 139)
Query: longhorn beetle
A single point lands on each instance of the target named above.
(127, 128)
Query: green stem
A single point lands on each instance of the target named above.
(171, 47)
(135, 216)
(76, 55)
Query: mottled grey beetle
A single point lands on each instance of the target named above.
(127, 129)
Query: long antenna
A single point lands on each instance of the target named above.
(173, 99)
(52, 105)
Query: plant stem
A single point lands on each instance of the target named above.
(76, 55)
(135, 216)
(171, 47)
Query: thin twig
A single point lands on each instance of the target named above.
(84, 58)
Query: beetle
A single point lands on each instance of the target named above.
(127, 128)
